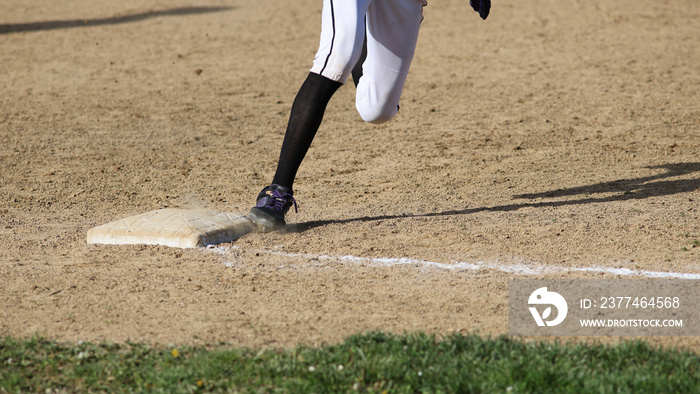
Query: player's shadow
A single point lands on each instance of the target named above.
(65, 24)
(619, 190)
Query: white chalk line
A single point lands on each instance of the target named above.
(531, 268)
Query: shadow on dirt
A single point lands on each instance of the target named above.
(619, 190)
(65, 24)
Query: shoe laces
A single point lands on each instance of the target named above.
(278, 200)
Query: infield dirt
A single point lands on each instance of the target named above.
(562, 133)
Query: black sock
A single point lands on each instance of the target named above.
(305, 118)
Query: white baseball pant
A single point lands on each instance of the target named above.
(392, 33)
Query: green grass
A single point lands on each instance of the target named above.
(373, 362)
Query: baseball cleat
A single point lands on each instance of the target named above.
(272, 204)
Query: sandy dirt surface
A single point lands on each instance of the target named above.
(562, 134)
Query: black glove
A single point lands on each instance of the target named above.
(481, 6)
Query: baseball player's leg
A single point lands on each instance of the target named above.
(342, 36)
(306, 115)
(392, 34)
(305, 118)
